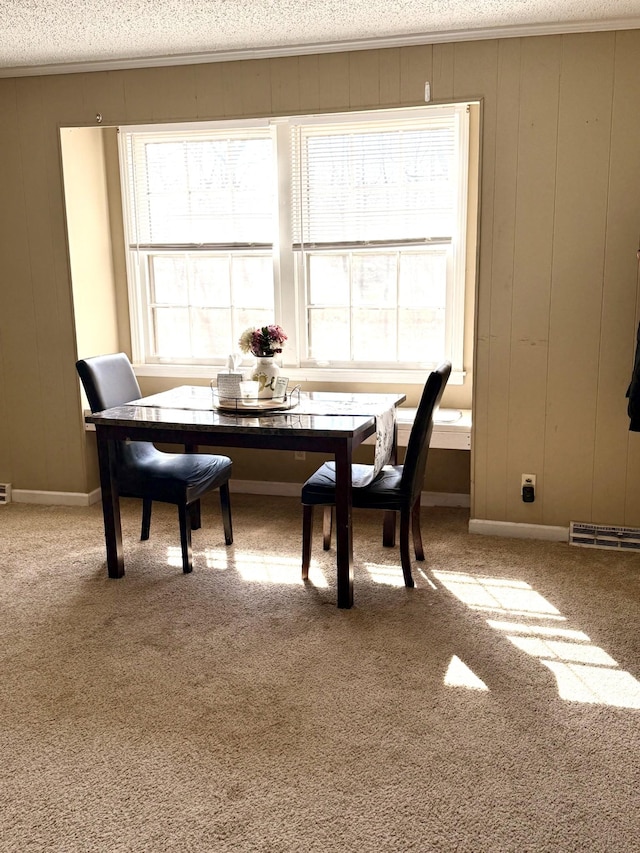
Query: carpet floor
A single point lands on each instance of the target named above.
(495, 707)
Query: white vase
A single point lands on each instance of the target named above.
(265, 373)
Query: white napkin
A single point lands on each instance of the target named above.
(234, 360)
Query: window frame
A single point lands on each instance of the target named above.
(289, 302)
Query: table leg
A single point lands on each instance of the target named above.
(344, 532)
(110, 507)
(194, 508)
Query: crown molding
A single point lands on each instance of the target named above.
(442, 37)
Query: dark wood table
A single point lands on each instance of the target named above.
(322, 422)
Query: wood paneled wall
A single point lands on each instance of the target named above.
(559, 220)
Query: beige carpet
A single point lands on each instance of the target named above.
(495, 707)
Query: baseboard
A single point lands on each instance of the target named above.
(515, 530)
(263, 487)
(445, 499)
(247, 487)
(28, 496)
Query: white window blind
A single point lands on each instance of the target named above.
(211, 189)
(371, 182)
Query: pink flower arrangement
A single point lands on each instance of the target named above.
(263, 341)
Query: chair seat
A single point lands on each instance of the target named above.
(383, 493)
(147, 472)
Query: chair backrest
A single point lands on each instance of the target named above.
(108, 380)
(415, 459)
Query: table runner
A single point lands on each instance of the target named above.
(363, 475)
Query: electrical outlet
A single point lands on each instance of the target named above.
(528, 488)
(299, 455)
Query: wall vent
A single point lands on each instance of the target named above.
(601, 536)
(5, 493)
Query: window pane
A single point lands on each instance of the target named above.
(383, 326)
(171, 328)
(211, 333)
(169, 280)
(226, 293)
(374, 279)
(245, 317)
(329, 334)
(423, 279)
(422, 335)
(374, 335)
(328, 279)
(209, 281)
(252, 282)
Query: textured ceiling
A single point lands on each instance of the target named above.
(47, 35)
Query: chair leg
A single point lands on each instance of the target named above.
(405, 556)
(225, 506)
(389, 529)
(327, 527)
(415, 527)
(307, 528)
(185, 538)
(194, 510)
(146, 518)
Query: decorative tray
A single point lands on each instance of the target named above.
(255, 405)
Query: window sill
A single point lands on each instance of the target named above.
(297, 374)
(447, 434)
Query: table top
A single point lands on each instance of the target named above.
(191, 407)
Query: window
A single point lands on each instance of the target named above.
(348, 230)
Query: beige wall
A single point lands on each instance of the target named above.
(557, 293)
(89, 238)
(90, 251)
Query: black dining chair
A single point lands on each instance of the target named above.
(396, 489)
(143, 471)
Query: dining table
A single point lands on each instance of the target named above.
(331, 423)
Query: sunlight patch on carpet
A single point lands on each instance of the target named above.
(390, 575)
(561, 650)
(459, 675)
(255, 567)
(542, 630)
(509, 596)
(174, 557)
(271, 568)
(217, 559)
(579, 683)
(583, 671)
